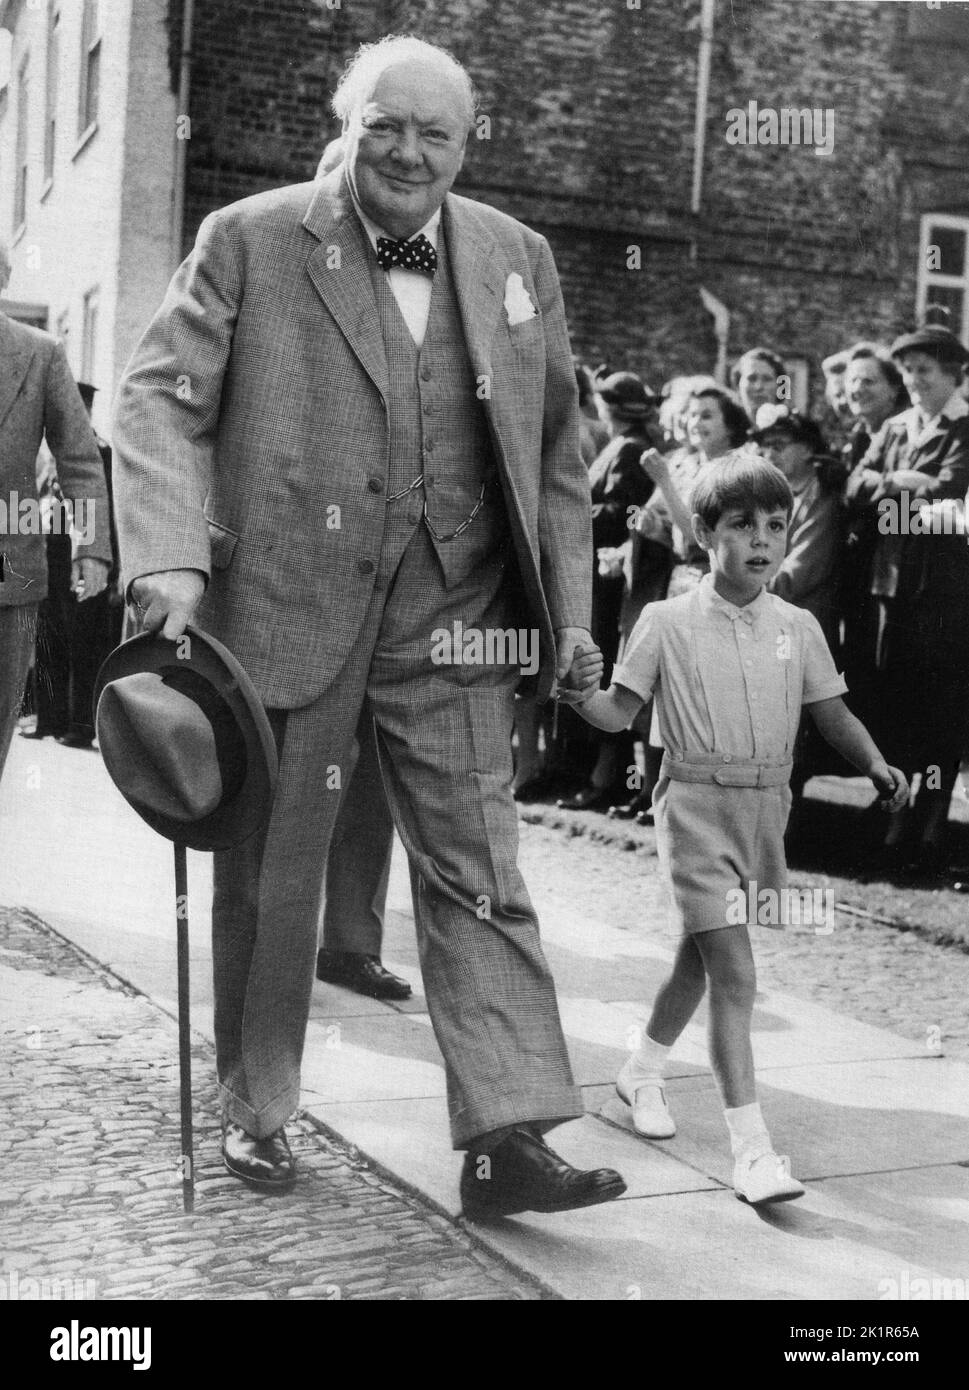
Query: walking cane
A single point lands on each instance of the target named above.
(187, 742)
(187, 1160)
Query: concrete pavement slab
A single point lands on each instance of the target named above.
(410, 1140)
(850, 1238)
(863, 1117)
(371, 1059)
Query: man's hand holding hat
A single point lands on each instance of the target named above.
(167, 601)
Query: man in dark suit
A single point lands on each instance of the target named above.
(39, 401)
(352, 427)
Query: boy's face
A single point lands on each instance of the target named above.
(746, 549)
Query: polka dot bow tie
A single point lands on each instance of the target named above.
(417, 255)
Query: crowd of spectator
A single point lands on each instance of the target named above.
(876, 551)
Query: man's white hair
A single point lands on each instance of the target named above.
(372, 59)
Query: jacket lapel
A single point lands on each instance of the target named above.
(479, 272)
(340, 275)
(14, 361)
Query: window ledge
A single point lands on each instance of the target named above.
(85, 138)
(48, 185)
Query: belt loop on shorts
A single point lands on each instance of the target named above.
(724, 770)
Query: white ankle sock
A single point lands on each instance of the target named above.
(748, 1132)
(647, 1062)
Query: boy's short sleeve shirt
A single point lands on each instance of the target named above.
(729, 680)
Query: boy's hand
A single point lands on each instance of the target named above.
(583, 678)
(892, 785)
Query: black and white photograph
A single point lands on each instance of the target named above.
(484, 664)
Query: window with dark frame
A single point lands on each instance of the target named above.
(53, 64)
(20, 169)
(89, 333)
(943, 279)
(90, 67)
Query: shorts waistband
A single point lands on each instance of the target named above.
(725, 771)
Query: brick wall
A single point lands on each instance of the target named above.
(592, 108)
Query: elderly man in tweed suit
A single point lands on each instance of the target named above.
(353, 424)
(39, 400)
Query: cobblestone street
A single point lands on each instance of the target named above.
(91, 1206)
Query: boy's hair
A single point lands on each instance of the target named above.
(741, 480)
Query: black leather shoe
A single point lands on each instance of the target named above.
(630, 809)
(75, 740)
(265, 1163)
(363, 974)
(523, 1174)
(534, 789)
(588, 798)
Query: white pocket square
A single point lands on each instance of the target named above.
(518, 302)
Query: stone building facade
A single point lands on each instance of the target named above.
(591, 138)
(590, 133)
(87, 158)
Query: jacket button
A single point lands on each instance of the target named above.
(413, 518)
(366, 566)
(376, 484)
(426, 374)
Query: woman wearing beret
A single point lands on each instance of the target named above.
(919, 585)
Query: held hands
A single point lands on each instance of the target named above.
(892, 785)
(167, 601)
(580, 666)
(89, 577)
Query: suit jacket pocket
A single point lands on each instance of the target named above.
(527, 332)
(222, 542)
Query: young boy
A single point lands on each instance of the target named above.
(729, 667)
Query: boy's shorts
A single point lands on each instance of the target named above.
(711, 839)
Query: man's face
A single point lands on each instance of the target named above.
(868, 390)
(405, 146)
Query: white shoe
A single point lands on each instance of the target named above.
(765, 1177)
(647, 1099)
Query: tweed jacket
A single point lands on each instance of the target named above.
(251, 431)
(39, 400)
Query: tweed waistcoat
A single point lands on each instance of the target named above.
(437, 428)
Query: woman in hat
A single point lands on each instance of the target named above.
(874, 392)
(619, 487)
(919, 586)
(809, 573)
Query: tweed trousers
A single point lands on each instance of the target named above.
(444, 737)
(18, 626)
(358, 862)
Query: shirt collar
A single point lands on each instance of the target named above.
(430, 229)
(711, 602)
(955, 408)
